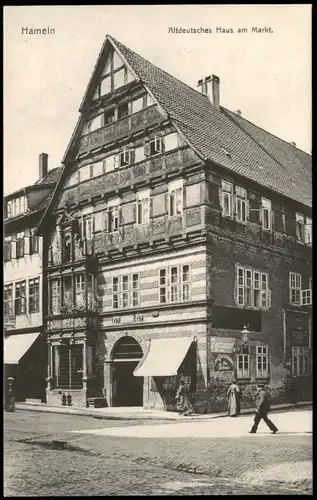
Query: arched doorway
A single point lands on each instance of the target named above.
(127, 390)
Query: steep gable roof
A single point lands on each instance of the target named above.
(253, 152)
(217, 135)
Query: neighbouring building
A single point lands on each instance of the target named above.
(25, 347)
(174, 224)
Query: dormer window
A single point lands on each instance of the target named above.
(17, 206)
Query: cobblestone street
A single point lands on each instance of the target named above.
(117, 465)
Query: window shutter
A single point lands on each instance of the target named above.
(132, 155)
(290, 226)
(158, 144)
(13, 249)
(147, 148)
(116, 161)
(27, 245)
(213, 194)
(167, 203)
(98, 221)
(134, 212)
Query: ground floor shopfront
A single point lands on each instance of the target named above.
(25, 359)
(141, 365)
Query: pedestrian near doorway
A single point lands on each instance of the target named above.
(262, 409)
(182, 397)
(234, 397)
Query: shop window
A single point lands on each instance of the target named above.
(68, 367)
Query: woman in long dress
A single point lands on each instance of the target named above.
(184, 406)
(234, 396)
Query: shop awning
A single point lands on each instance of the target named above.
(16, 346)
(164, 357)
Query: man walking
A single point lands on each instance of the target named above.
(262, 408)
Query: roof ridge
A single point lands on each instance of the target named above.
(266, 131)
(157, 67)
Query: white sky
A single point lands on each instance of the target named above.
(266, 76)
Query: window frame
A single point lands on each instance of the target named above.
(34, 295)
(268, 209)
(176, 198)
(143, 206)
(163, 286)
(297, 289)
(185, 284)
(262, 354)
(301, 355)
(227, 193)
(252, 288)
(135, 302)
(8, 299)
(243, 374)
(20, 299)
(300, 228)
(241, 200)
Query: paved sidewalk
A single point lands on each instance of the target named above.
(139, 413)
(299, 423)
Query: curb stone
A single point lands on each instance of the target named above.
(175, 418)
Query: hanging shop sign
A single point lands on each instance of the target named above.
(223, 363)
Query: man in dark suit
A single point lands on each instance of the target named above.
(262, 409)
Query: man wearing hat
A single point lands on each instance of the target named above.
(262, 409)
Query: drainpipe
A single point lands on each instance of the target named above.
(284, 332)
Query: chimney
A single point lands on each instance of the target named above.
(43, 162)
(293, 143)
(201, 87)
(212, 84)
(238, 112)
